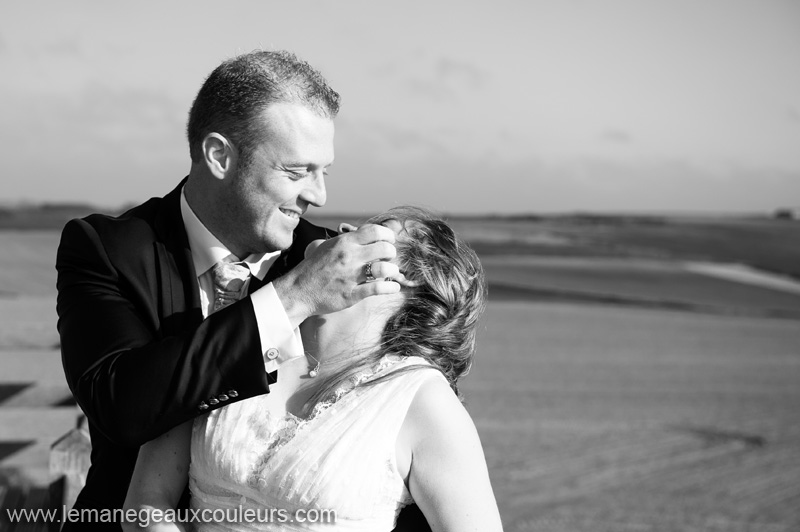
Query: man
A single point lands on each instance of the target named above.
(150, 333)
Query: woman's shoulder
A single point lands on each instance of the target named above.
(399, 379)
(434, 402)
(435, 421)
(434, 398)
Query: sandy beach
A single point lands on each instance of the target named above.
(600, 405)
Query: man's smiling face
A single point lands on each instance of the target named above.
(284, 175)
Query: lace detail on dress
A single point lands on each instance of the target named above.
(359, 378)
(291, 424)
(272, 443)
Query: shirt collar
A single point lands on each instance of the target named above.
(207, 250)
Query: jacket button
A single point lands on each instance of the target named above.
(233, 393)
(203, 406)
(213, 401)
(223, 397)
(272, 353)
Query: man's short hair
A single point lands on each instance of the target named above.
(233, 97)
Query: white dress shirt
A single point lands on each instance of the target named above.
(279, 342)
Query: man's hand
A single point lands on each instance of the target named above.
(334, 277)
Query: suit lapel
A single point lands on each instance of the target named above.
(179, 304)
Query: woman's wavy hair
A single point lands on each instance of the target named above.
(438, 320)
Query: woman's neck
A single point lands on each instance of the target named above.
(334, 342)
(343, 338)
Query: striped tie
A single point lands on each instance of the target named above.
(229, 281)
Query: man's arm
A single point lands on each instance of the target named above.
(132, 383)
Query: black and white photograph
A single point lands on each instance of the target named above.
(367, 266)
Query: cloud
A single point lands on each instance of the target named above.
(446, 79)
(618, 136)
(439, 80)
(671, 185)
(452, 184)
(408, 139)
(386, 143)
(72, 146)
(55, 49)
(122, 116)
(459, 72)
(69, 45)
(430, 88)
(384, 69)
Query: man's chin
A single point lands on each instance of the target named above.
(278, 244)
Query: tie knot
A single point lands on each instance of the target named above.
(229, 279)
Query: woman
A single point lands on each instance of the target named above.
(367, 422)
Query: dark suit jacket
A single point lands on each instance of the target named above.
(137, 354)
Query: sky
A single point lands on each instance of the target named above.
(508, 106)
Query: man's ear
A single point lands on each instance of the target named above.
(219, 155)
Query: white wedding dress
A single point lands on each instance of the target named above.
(341, 458)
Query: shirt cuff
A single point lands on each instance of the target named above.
(279, 342)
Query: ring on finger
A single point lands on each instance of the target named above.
(368, 272)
